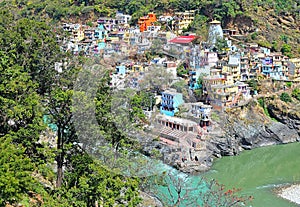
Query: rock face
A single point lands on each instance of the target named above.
(249, 128)
(149, 201)
(291, 117)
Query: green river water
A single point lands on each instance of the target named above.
(258, 171)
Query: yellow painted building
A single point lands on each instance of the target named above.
(184, 19)
(78, 34)
(137, 68)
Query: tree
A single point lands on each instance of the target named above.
(15, 172)
(199, 25)
(141, 101)
(88, 183)
(29, 89)
(221, 45)
(32, 45)
(218, 195)
(227, 9)
(180, 86)
(20, 108)
(60, 111)
(178, 190)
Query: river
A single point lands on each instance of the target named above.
(257, 172)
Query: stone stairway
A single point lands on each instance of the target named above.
(172, 133)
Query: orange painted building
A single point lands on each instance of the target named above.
(146, 21)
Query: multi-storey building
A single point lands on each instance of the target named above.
(170, 102)
(272, 69)
(182, 20)
(146, 21)
(201, 111)
(244, 68)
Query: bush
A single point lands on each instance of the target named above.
(289, 84)
(285, 97)
(286, 50)
(253, 84)
(179, 86)
(254, 36)
(261, 102)
(89, 23)
(264, 44)
(296, 94)
(181, 71)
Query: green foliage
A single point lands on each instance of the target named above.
(200, 79)
(31, 88)
(215, 116)
(221, 45)
(181, 71)
(254, 36)
(199, 25)
(289, 84)
(285, 97)
(88, 182)
(179, 86)
(156, 49)
(227, 9)
(284, 38)
(275, 46)
(286, 50)
(262, 103)
(198, 92)
(109, 123)
(139, 102)
(253, 84)
(27, 56)
(265, 44)
(296, 93)
(89, 23)
(15, 172)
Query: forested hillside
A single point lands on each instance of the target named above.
(35, 171)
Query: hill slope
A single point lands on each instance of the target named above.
(274, 24)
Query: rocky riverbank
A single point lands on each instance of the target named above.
(232, 131)
(291, 193)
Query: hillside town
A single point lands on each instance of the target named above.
(220, 68)
(159, 103)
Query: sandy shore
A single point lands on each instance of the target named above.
(291, 193)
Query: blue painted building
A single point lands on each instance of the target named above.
(121, 69)
(193, 82)
(100, 35)
(271, 69)
(170, 102)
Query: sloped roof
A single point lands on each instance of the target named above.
(215, 22)
(183, 39)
